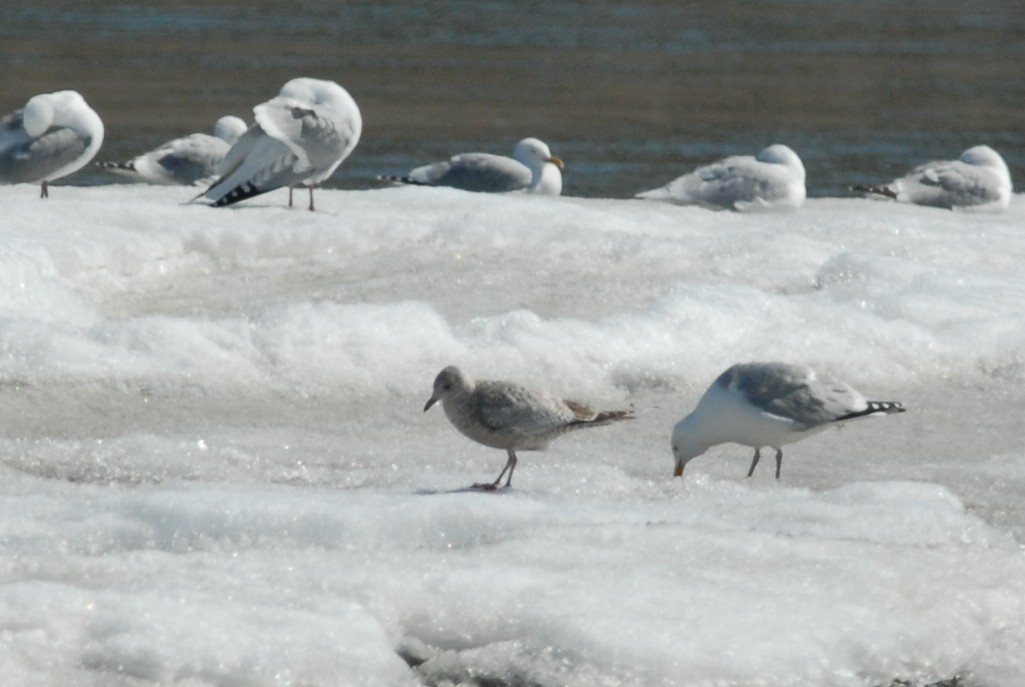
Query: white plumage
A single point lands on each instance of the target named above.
(54, 135)
(189, 160)
(768, 404)
(299, 139)
(532, 168)
(977, 181)
(772, 180)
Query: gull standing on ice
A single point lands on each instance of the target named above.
(509, 416)
(532, 168)
(299, 139)
(54, 135)
(772, 180)
(977, 181)
(186, 161)
(768, 404)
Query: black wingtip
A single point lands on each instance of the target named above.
(237, 194)
(125, 166)
(877, 190)
(875, 408)
(396, 179)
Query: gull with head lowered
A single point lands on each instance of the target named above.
(188, 160)
(772, 180)
(978, 181)
(768, 404)
(509, 416)
(54, 135)
(532, 169)
(300, 138)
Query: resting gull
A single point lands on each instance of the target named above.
(977, 181)
(54, 135)
(772, 180)
(768, 404)
(532, 168)
(186, 161)
(509, 416)
(299, 139)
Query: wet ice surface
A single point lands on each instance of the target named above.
(216, 468)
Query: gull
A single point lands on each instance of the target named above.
(768, 404)
(977, 181)
(532, 169)
(299, 139)
(54, 135)
(188, 160)
(772, 180)
(509, 416)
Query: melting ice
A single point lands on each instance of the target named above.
(216, 471)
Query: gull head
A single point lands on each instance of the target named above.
(535, 153)
(545, 168)
(983, 156)
(450, 382)
(783, 155)
(230, 128)
(687, 443)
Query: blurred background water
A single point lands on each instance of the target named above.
(630, 95)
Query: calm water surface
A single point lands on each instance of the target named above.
(629, 94)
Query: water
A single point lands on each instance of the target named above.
(630, 95)
(214, 464)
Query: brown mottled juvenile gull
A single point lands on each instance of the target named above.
(768, 404)
(188, 160)
(771, 180)
(532, 169)
(977, 181)
(509, 416)
(54, 135)
(299, 139)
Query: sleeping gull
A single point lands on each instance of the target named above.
(978, 181)
(188, 160)
(532, 168)
(509, 416)
(54, 135)
(768, 404)
(299, 139)
(773, 180)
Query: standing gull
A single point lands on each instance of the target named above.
(299, 139)
(54, 135)
(772, 180)
(768, 404)
(509, 416)
(978, 181)
(532, 168)
(186, 161)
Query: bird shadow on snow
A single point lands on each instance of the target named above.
(472, 489)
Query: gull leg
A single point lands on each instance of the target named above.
(311, 199)
(510, 465)
(45, 192)
(754, 462)
(779, 461)
(289, 196)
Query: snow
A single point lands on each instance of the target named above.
(216, 469)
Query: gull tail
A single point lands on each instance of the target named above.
(879, 190)
(585, 417)
(875, 408)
